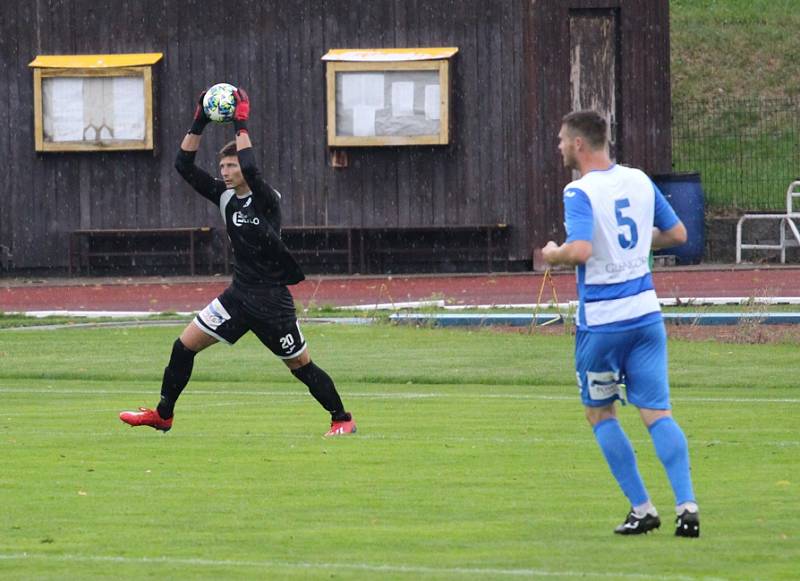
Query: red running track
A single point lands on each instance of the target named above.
(193, 294)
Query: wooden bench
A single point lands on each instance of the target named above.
(461, 243)
(320, 242)
(135, 242)
(375, 247)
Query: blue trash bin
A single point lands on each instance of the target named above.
(685, 194)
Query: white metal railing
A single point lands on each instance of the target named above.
(786, 220)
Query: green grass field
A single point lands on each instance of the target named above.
(472, 461)
(734, 48)
(734, 69)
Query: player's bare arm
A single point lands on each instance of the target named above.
(675, 236)
(567, 254)
(191, 142)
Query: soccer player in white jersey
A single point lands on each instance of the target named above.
(614, 215)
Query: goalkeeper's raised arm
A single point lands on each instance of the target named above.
(267, 196)
(205, 184)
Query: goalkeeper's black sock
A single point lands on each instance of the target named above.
(176, 376)
(322, 388)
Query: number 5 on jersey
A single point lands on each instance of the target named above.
(623, 220)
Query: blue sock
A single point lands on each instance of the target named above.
(673, 451)
(621, 459)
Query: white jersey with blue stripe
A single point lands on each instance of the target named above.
(616, 210)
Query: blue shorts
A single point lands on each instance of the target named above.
(635, 359)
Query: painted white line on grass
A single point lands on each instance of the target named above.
(298, 393)
(97, 314)
(372, 568)
(376, 436)
(678, 399)
(386, 395)
(738, 399)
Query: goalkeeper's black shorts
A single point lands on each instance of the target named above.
(268, 312)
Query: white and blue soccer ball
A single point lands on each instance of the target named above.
(219, 103)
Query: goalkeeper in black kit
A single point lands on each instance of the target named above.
(258, 299)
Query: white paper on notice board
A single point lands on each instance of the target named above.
(129, 108)
(95, 116)
(363, 121)
(432, 102)
(362, 90)
(63, 114)
(402, 99)
(374, 91)
(351, 91)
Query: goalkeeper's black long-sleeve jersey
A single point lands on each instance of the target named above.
(253, 223)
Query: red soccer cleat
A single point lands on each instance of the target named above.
(342, 427)
(146, 417)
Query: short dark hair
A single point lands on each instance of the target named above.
(228, 151)
(588, 124)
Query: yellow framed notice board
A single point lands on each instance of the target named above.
(379, 97)
(93, 102)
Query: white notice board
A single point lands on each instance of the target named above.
(388, 103)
